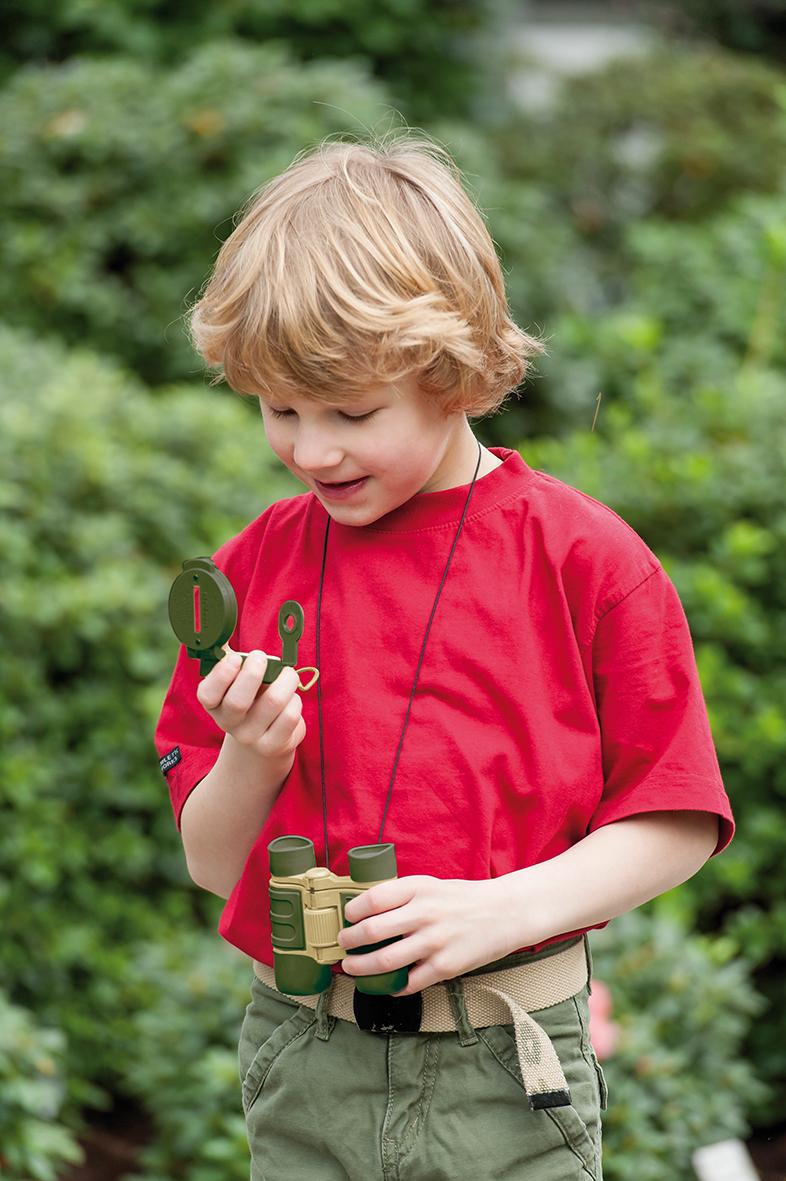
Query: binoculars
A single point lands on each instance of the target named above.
(307, 911)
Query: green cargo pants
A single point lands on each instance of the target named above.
(327, 1101)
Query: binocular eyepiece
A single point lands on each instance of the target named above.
(307, 912)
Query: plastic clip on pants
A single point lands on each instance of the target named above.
(472, 1096)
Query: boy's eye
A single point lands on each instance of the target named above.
(348, 417)
(357, 417)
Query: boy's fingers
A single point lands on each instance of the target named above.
(278, 693)
(285, 732)
(277, 696)
(211, 689)
(246, 683)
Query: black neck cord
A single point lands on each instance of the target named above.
(417, 670)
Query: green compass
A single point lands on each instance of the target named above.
(203, 614)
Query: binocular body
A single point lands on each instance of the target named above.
(307, 912)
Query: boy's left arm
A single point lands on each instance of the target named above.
(445, 927)
(613, 870)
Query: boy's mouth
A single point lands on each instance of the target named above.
(341, 489)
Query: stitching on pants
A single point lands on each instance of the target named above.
(431, 1056)
(547, 1111)
(388, 1144)
(569, 1144)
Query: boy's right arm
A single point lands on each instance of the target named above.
(263, 726)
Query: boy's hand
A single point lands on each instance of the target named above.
(449, 927)
(264, 718)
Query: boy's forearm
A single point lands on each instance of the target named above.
(224, 814)
(613, 870)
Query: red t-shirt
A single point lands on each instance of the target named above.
(558, 691)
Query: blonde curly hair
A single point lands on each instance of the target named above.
(361, 264)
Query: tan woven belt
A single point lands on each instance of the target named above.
(493, 998)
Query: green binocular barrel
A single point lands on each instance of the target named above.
(296, 975)
(301, 975)
(375, 863)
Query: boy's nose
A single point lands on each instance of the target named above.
(317, 456)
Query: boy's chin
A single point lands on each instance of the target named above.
(356, 514)
(345, 514)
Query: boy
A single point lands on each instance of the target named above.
(508, 693)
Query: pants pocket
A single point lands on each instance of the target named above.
(271, 1024)
(578, 1124)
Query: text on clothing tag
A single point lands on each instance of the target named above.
(170, 760)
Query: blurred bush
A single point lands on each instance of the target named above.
(676, 1079)
(435, 55)
(34, 1144)
(646, 182)
(702, 303)
(182, 1064)
(673, 133)
(115, 176)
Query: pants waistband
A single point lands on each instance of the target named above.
(491, 998)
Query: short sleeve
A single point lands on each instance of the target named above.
(658, 752)
(187, 739)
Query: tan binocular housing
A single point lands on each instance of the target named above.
(307, 912)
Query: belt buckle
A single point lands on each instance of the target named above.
(388, 1014)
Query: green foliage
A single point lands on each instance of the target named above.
(183, 1061)
(116, 177)
(671, 136)
(702, 304)
(105, 490)
(674, 133)
(676, 1079)
(727, 275)
(429, 51)
(34, 1145)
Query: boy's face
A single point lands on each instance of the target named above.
(394, 441)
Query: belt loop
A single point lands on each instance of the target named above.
(324, 1021)
(464, 1027)
(588, 957)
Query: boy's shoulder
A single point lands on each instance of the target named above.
(600, 555)
(576, 514)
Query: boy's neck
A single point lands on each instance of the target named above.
(488, 462)
(463, 461)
